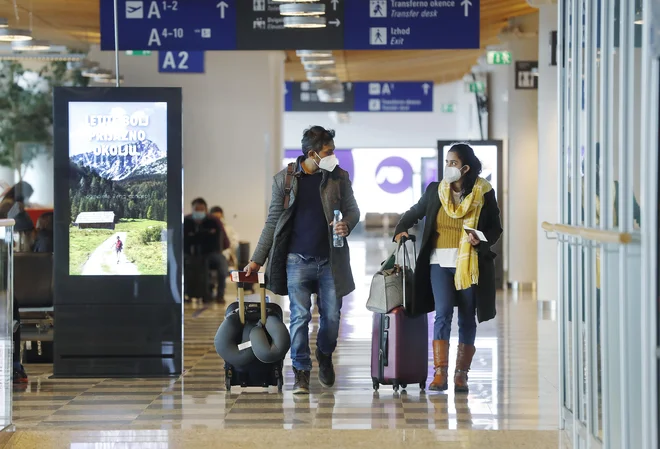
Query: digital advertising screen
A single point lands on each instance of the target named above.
(117, 188)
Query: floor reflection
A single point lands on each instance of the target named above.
(513, 382)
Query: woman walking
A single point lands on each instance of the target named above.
(455, 267)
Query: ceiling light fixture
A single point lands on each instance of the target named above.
(33, 45)
(313, 67)
(14, 35)
(318, 77)
(4, 23)
(110, 80)
(318, 61)
(295, 1)
(302, 9)
(95, 72)
(314, 53)
(304, 22)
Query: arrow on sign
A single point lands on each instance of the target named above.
(335, 22)
(222, 5)
(466, 4)
(334, 4)
(426, 86)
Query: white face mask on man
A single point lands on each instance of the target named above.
(328, 163)
(452, 174)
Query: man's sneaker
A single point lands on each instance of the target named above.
(301, 383)
(19, 376)
(326, 369)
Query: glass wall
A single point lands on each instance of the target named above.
(608, 171)
(6, 320)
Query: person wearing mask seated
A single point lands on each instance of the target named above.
(232, 235)
(44, 240)
(203, 235)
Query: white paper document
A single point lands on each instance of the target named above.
(480, 235)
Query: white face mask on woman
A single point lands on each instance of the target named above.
(452, 174)
(328, 163)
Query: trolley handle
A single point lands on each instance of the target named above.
(241, 278)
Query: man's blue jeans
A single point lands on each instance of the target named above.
(305, 275)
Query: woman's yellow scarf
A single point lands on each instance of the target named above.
(467, 265)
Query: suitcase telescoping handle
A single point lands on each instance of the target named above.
(241, 278)
(406, 260)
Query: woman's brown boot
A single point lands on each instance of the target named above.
(440, 363)
(463, 362)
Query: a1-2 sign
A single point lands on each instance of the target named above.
(181, 61)
(400, 96)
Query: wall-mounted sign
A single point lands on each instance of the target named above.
(368, 96)
(204, 25)
(448, 108)
(498, 57)
(181, 61)
(475, 87)
(527, 75)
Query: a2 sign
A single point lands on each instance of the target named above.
(181, 61)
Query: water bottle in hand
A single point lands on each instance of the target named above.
(337, 240)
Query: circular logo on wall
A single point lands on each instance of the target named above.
(394, 175)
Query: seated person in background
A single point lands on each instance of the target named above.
(232, 235)
(44, 239)
(19, 193)
(205, 236)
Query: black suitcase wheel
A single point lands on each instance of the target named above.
(280, 384)
(375, 383)
(395, 387)
(404, 386)
(228, 384)
(422, 386)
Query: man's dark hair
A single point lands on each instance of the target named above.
(315, 138)
(216, 209)
(200, 201)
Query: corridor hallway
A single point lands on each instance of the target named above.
(513, 402)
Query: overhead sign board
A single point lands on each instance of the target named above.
(372, 96)
(205, 25)
(181, 61)
(379, 96)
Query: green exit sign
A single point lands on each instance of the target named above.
(138, 52)
(499, 57)
(448, 108)
(477, 87)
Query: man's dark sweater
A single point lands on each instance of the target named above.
(206, 237)
(309, 235)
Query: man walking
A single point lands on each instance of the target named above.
(297, 240)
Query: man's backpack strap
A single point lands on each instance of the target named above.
(288, 180)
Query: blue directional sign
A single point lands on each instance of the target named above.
(371, 96)
(170, 25)
(411, 24)
(205, 25)
(181, 61)
(399, 96)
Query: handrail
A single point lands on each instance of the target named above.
(596, 235)
(6, 222)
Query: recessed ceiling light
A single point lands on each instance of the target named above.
(313, 67)
(295, 1)
(33, 45)
(14, 35)
(96, 73)
(304, 22)
(4, 23)
(314, 53)
(317, 61)
(302, 9)
(317, 77)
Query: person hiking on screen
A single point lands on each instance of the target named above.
(119, 245)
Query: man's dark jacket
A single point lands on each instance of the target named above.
(336, 194)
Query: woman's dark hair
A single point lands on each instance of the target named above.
(467, 157)
(217, 210)
(315, 138)
(20, 191)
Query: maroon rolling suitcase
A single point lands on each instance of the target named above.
(399, 345)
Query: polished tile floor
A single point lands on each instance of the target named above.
(512, 403)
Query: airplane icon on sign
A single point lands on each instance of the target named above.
(134, 10)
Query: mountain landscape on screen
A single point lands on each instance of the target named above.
(146, 158)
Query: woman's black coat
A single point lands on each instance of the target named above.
(489, 223)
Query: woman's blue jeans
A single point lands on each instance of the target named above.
(446, 297)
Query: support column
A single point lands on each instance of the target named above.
(548, 158)
(520, 220)
(232, 128)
